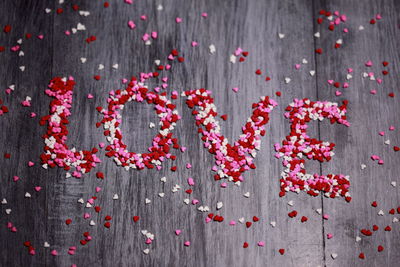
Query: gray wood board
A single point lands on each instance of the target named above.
(252, 25)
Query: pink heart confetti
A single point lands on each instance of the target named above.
(190, 181)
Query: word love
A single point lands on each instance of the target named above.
(231, 160)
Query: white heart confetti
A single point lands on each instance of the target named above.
(84, 13)
(80, 27)
(212, 49)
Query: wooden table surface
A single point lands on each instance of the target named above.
(254, 26)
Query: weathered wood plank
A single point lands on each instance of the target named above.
(20, 135)
(369, 114)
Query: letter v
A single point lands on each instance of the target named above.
(231, 160)
(56, 150)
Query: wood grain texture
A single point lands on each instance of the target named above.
(252, 25)
(369, 114)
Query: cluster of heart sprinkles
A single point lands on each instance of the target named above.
(162, 142)
(56, 150)
(298, 146)
(3, 108)
(231, 160)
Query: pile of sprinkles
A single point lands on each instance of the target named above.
(162, 142)
(231, 160)
(56, 150)
(298, 146)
